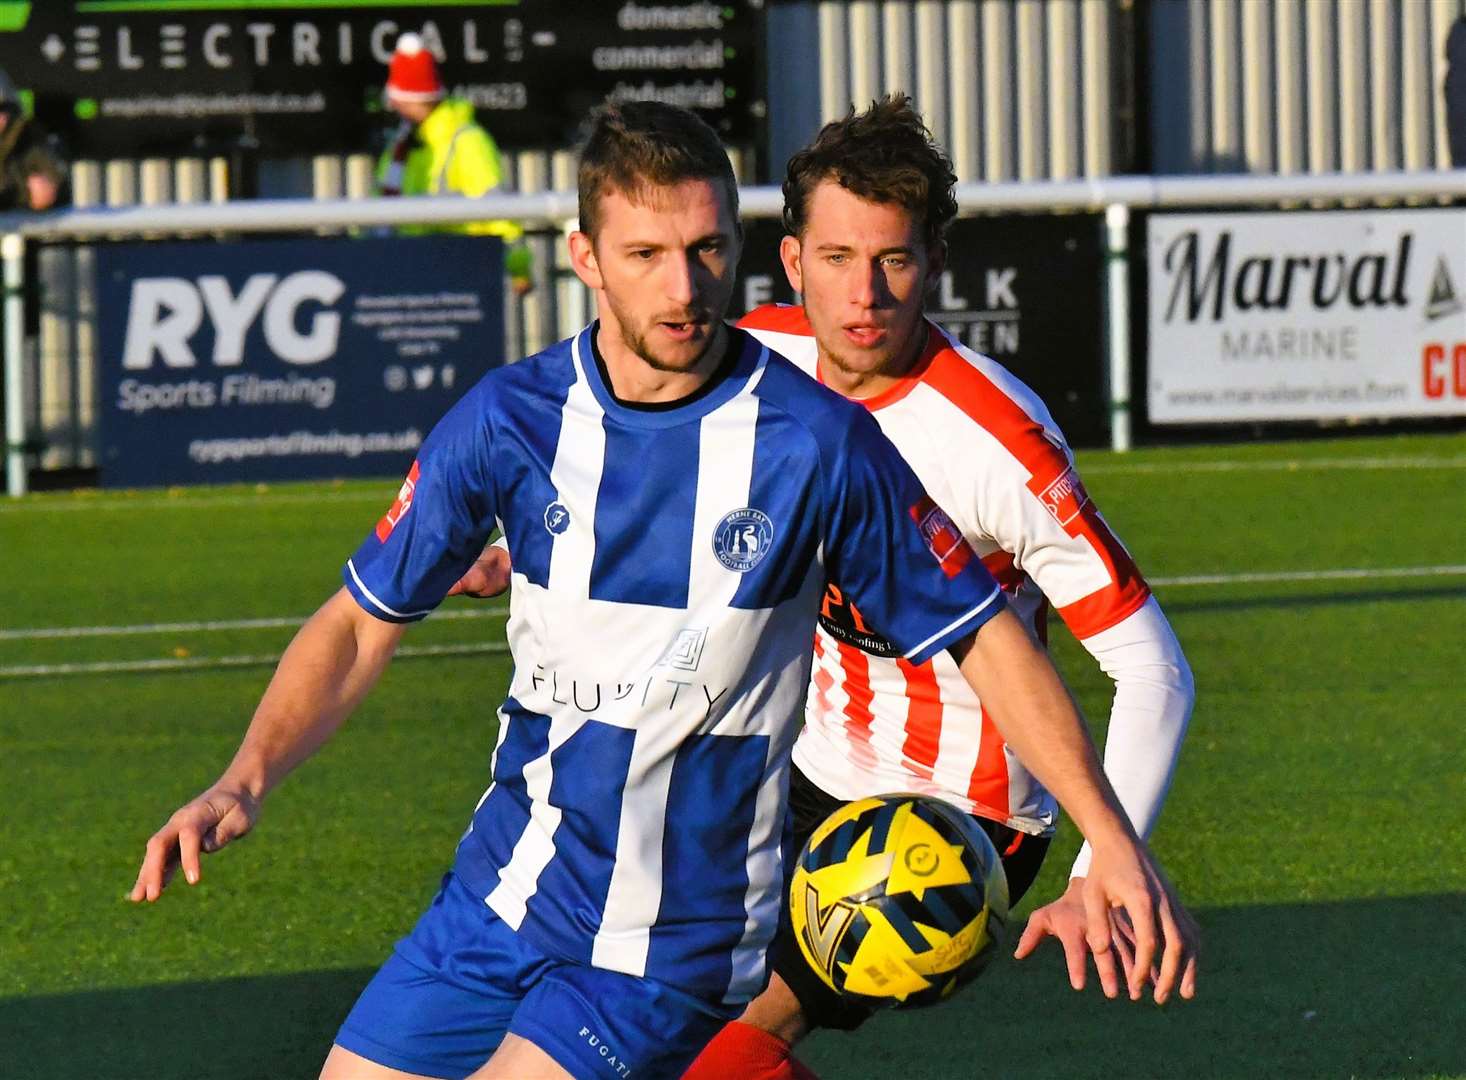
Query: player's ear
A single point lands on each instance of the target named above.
(789, 255)
(583, 260)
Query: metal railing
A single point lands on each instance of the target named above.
(1116, 196)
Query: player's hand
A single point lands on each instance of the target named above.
(219, 815)
(487, 577)
(1134, 919)
(1065, 919)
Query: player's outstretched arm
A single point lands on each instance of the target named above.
(1154, 693)
(1033, 711)
(329, 667)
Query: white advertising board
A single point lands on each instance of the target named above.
(1308, 315)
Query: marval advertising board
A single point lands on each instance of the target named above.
(1311, 315)
(299, 359)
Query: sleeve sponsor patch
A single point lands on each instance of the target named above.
(843, 621)
(1065, 498)
(943, 539)
(400, 506)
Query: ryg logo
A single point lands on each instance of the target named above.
(165, 312)
(743, 538)
(557, 518)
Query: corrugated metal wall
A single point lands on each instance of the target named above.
(1015, 89)
(1293, 86)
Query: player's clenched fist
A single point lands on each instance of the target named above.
(206, 824)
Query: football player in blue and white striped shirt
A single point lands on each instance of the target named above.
(676, 498)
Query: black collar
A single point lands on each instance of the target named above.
(731, 350)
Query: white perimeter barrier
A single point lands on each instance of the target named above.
(1117, 196)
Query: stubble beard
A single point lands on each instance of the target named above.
(893, 361)
(636, 340)
(637, 343)
(875, 366)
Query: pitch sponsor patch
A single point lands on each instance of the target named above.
(943, 539)
(401, 505)
(1065, 498)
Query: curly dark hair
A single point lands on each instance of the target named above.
(885, 154)
(634, 145)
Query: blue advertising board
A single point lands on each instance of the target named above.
(289, 359)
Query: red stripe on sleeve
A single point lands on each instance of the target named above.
(1053, 482)
(1101, 610)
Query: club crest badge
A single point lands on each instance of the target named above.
(743, 538)
(557, 518)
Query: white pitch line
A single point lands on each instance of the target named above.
(23, 671)
(1311, 575)
(51, 633)
(204, 663)
(1296, 465)
(50, 505)
(42, 633)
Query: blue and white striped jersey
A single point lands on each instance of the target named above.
(669, 566)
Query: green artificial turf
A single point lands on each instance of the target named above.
(1315, 826)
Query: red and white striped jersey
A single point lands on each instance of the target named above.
(986, 449)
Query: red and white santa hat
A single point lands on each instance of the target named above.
(413, 73)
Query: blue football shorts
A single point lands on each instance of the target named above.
(443, 1001)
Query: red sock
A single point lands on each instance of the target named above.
(743, 1052)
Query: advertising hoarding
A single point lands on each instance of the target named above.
(287, 360)
(1308, 315)
(125, 77)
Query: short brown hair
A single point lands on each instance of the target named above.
(634, 145)
(884, 154)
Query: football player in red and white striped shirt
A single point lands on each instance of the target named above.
(866, 205)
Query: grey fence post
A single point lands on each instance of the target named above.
(12, 251)
(1117, 291)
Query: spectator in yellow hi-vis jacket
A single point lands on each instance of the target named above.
(440, 149)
